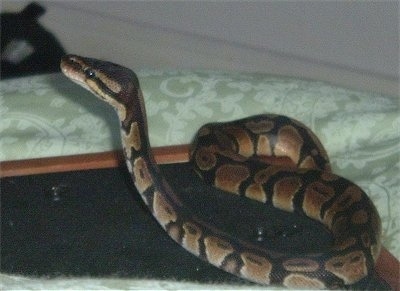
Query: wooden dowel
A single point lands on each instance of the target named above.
(163, 155)
(112, 159)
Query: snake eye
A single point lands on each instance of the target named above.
(89, 73)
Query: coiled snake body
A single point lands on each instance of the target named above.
(230, 156)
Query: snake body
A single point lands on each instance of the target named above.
(232, 156)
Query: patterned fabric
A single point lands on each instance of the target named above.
(48, 115)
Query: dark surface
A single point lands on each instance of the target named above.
(93, 223)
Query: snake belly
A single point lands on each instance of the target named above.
(228, 156)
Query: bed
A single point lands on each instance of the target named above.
(47, 116)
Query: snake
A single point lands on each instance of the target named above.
(233, 156)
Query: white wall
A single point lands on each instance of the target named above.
(354, 44)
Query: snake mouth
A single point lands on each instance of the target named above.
(72, 68)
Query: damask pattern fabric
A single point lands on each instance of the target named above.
(48, 115)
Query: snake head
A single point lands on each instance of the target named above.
(112, 83)
(106, 80)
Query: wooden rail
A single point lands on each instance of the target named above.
(163, 155)
(112, 159)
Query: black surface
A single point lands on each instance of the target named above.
(93, 223)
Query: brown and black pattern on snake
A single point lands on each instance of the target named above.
(233, 156)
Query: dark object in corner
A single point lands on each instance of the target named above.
(27, 48)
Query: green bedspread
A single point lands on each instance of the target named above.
(48, 115)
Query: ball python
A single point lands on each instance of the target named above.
(231, 156)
